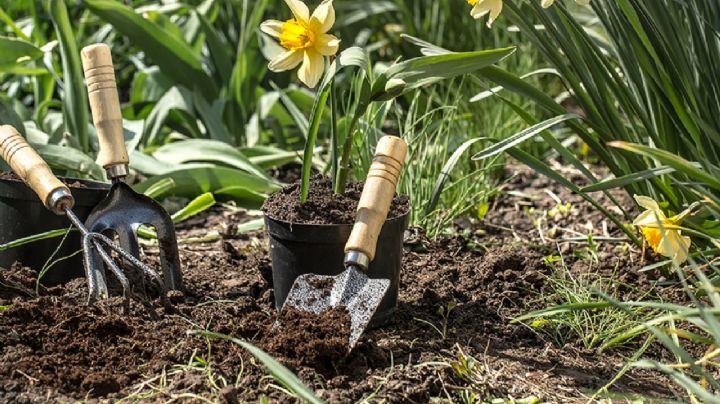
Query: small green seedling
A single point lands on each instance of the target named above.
(444, 312)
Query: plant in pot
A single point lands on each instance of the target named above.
(309, 222)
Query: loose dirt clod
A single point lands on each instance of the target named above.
(323, 205)
(305, 338)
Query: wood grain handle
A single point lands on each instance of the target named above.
(377, 195)
(105, 106)
(33, 170)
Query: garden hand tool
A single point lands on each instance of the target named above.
(123, 211)
(56, 196)
(353, 289)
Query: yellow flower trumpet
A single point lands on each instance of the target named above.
(669, 240)
(305, 40)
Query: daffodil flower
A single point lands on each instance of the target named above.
(548, 3)
(484, 7)
(305, 39)
(669, 240)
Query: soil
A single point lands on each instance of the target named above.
(11, 176)
(303, 338)
(452, 331)
(323, 206)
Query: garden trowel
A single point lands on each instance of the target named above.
(353, 289)
(123, 211)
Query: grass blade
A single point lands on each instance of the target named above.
(279, 372)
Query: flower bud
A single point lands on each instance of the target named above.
(395, 87)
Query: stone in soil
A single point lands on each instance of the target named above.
(323, 206)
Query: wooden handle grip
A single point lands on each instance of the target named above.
(29, 166)
(105, 104)
(377, 195)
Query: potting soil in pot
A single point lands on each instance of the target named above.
(323, 206)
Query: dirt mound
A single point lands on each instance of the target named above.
(302, 338)
(323, 205)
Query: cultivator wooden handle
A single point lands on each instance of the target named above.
(377, 196)
(105, 106)
(33, 170)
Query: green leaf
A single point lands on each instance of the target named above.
(280, 373)
(353, 56)
(177, 98)
(35, 237)
(444, 175)
(267, 157)
(159, 188)
(526, 134)
(16, 52)
(628, 179)
(242, 197)
(68, 158)
(75, 104)
(190, 182)
(205, 150)
(8, 116)
(426, 69)
(673, 160)
(196, 206)
(174, 56)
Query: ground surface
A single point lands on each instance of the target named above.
(457, 299)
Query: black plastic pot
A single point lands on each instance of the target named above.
(297, 249)
(22, 214)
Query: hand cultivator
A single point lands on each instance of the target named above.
(352, 289)
(123, 211)
(56, 196)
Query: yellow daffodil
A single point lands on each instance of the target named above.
(484, 7)
(548, 3)
(305, 40)
(669, 240)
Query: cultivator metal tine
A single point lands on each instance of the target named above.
(93, 246)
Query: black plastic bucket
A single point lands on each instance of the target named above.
(22, 214)
(297, 249)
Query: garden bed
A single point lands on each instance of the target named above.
(457, 298)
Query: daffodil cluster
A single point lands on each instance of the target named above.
(482, 8)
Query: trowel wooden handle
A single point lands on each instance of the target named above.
(30, 167)
(105, 105)
(377, 195)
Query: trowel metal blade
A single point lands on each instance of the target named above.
(351, 289)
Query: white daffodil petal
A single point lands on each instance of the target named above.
(312, 68)
(327, 44)
(286, 61)
(649, 218)
(299, 9)
(272, 28)
(674, 245)
(646, 202)
(323, 18)
(480, 9)
(547, 3)
(495, 11)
